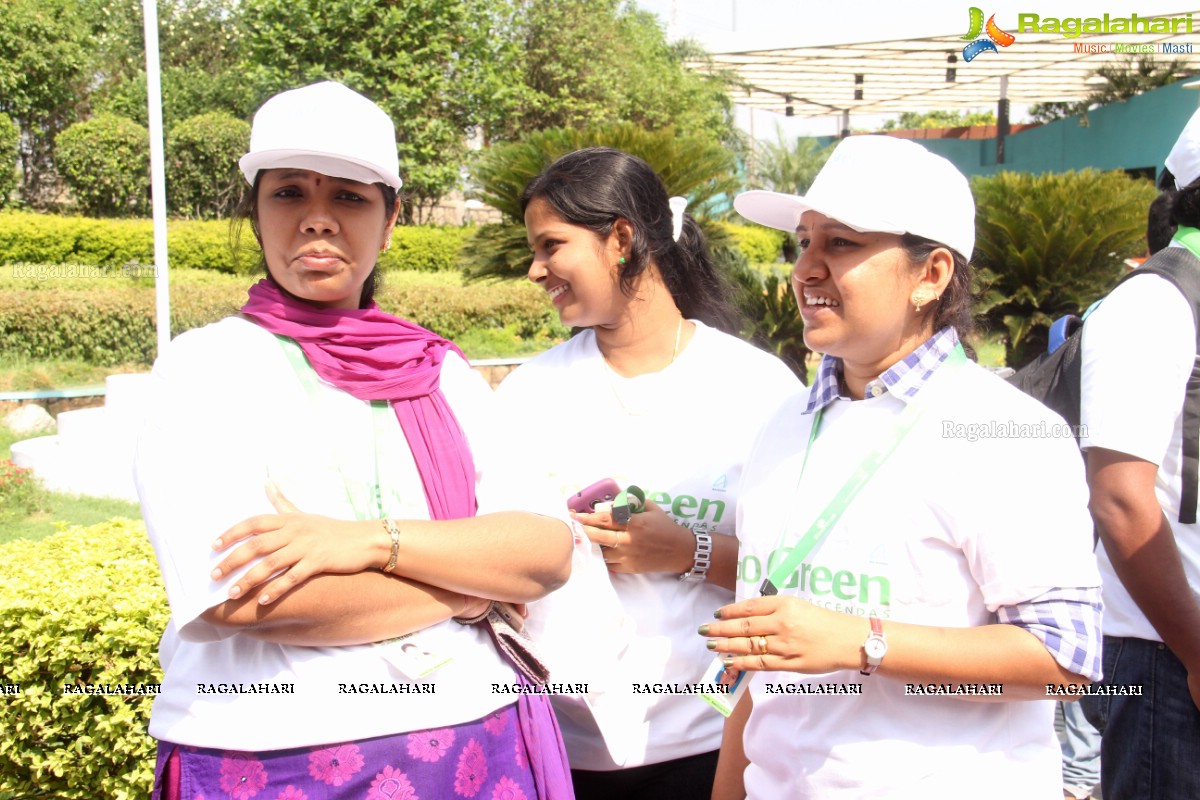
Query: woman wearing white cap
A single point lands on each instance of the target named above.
(657, 391)
(916, 564)
(309, 657)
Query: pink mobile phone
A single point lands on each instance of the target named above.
(584, 501)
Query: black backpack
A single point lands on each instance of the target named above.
(1054, 378)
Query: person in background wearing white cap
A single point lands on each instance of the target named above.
(1138, 350)
(289, 663)
(656, 391)
(922, 532)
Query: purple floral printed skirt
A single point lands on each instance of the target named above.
(514, 753)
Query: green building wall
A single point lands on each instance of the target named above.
(1134, 134)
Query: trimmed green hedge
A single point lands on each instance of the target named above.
(82, 607)
(28, 238)
(105, 319)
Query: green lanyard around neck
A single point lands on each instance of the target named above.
(1189, 238)
(380, 414)
(828, 518)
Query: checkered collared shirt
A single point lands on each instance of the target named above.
(1065, 620)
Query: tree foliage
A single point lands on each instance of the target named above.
(1049, 245)
(783, 166)
(1123, 79)
(200, 50)
(692, 166)
(106, 163)
(939, 119)
(596, 62)
(404, 56)
(10, 147)
(44, 77)
(444, 70)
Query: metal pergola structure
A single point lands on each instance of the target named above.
(887, 77)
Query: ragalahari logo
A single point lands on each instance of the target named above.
(995, 36)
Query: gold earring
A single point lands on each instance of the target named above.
(920, 297)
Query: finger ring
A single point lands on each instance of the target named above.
(762, 645)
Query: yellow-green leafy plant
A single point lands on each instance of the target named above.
(84, 607)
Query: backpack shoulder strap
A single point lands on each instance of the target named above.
(1181, 268)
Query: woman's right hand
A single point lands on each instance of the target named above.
(290, 547)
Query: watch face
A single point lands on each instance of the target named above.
(876, 648)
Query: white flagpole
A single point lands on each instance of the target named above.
(158, 182)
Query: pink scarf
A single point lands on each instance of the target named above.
(375, 356)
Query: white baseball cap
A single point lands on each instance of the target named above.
(1184, 159)
(325, 128)
(880, 184)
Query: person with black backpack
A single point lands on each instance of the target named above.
(1138, 416)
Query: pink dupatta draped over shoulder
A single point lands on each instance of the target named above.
(372, 355)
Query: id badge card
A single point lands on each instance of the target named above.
(408, 656)
(731, 687)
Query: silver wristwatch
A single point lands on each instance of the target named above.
(699, 570)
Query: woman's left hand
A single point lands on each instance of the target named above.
(786, 634)
(290, 547)
(651, 542)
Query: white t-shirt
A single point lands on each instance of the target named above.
(680, 434)
(229, 413)
(1138, 348)
(970, 513)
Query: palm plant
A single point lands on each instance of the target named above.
(1049, 245)
(696, 168)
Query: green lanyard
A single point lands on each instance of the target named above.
(380, 417)
(1189, 238)
(828, 518)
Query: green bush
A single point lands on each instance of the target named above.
(21, 493)
(82, 607)
(106, 163)
(28, 238)
(1048, 245)
(78, 313)
(452, 311)
(758, 244)
(10, 139)
(203, 179)
(425, 248)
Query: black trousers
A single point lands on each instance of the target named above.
(689, 778)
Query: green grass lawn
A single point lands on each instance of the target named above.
(58, 510)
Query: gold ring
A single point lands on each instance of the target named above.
(762, 645)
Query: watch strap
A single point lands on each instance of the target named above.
(873, 662)
(702, 560)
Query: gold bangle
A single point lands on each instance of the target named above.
(392, 530)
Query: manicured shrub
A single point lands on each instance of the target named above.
(27, 238)
(10, 138)
(425, 248)
(84, 607)
(103, 326)
(87, 314)
(203, 179)
(106, 163)
(758, 244)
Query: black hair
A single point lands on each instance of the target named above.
(596, 186)
(955, 307)
(247, 211)
(1166, 180)
(1159, 227)
(1185, 205)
